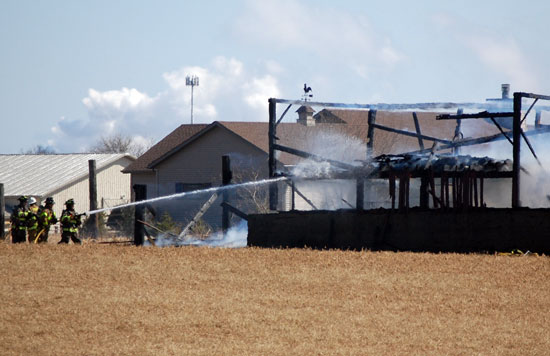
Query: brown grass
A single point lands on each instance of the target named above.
(100, 299)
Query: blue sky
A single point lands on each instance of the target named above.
(72, 71)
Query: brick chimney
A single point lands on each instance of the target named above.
(305, 116)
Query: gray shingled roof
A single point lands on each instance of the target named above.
(39, 175)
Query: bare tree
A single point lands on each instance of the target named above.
(119, 143)
(39, 150)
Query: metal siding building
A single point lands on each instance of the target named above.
(65, 176)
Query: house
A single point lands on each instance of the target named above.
(65, 176)
(189, 158)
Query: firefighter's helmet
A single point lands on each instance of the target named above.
(49, 200)
(69, 202)
(22, 198)
(32, 201)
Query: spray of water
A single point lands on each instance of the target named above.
(195, 192)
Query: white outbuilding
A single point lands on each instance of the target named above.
(65, 176)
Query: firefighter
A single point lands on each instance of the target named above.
(18, 221)
(32, 220)
(46, 218)
(70, 221)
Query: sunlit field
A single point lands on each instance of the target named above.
(117, 299)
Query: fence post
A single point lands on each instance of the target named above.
(2, 212)
(226, 180)
(92, 219)
(140, 193)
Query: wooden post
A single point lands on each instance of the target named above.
(226, 180)
(516, 203)
(293, 195)
(92, 219)
(370, 133)
(476, 197)
(537, 119)
(417, 127)
(2, 212)
(273, 188)
(424, 197)
(458, 132)
(140, 193)
(360, 195)
(481, 202)
(392, 189)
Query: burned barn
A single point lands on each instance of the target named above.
(439, 196)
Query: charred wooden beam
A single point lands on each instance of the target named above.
(284, 113)
(418, 132)
(370, 133)
(234, 210)
(458, 131)
(273, 188)
(533, 96)
(411, 134)
(480, 115)
(516, 203)
(315, 157)
(227, 175)
(529, 110)
(424, 195)
(386, 106)
(501, 130)
(480, 140)
(530, 147)
(360, 194)
(301, 194)
(392, 189)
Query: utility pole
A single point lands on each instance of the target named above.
(192, 81)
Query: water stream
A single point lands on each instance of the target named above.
(194, 192)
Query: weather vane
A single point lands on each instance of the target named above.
(307, 91)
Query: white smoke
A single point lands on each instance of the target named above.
(235, 237)
(330, 145)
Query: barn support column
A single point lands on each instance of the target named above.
(370, 134)
(92, 219)
(424, 195)
(360, 195)
(458, 131)
(516, 203)
(226, 180)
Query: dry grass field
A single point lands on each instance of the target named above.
(101, 299)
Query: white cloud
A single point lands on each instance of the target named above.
(258, 90)
(325, 32)
(226, 92)
(507, 57)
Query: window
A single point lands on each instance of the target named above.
(189, 187)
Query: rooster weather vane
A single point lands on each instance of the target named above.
(307, 91)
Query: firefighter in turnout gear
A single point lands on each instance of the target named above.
(32, 220)
(19, 221)
(46, 218)
(70, 221)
